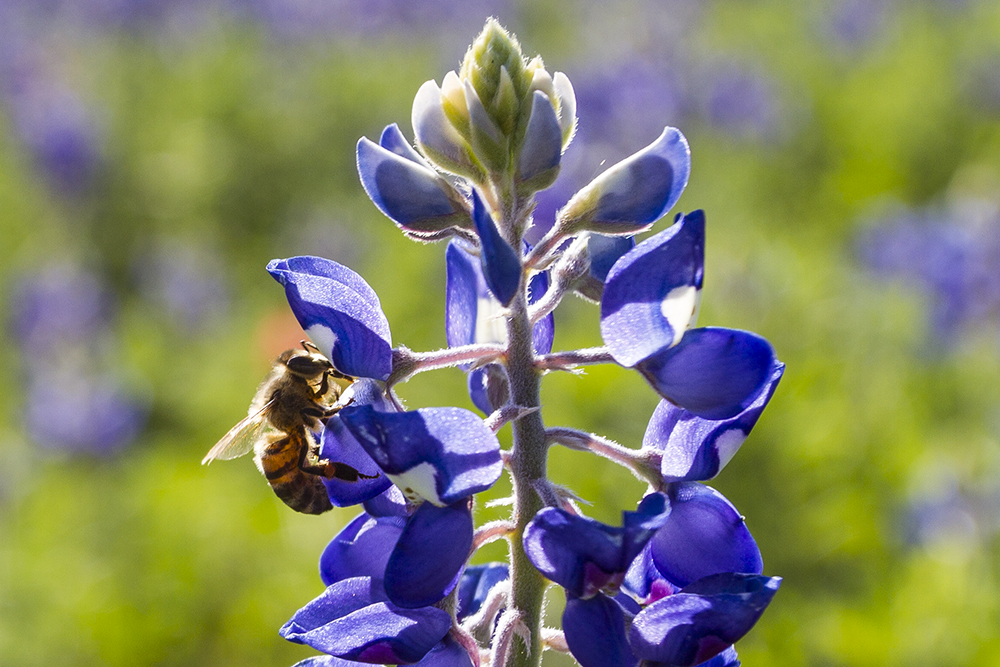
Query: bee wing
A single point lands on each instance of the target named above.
(241, 438)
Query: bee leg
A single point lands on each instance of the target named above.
(334, 409)
(310, 462)
(324, 385)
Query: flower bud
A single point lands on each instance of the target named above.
(538, 164)
(495, 67)
(437, 137)
(633, 194)
(405, 187)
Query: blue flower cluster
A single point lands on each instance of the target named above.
(680, 581)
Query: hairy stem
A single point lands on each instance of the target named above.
(527, 466)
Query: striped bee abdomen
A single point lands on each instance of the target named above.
(281, 464)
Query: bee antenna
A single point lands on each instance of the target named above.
(308, 345)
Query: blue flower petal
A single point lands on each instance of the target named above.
(702, 536)
(407, 191)
(538, 164)
(631, 195)
(476, 583)
(585, 556)
(351, 620)
(702, 620)
(543, 333)
(501, 263)
(644, 581)
(447, 653)
(464, 287)
(595, 632)
(361, 549)
(694, 448)
(442, 455)
(327, 661)
(471, 310)
(338, 445)
(392, 139)
(489, 387)
(651, 294)
(713, 372)
(428, 558)
(340, 312)
(605, 251)
(727, 658)
(390, 503)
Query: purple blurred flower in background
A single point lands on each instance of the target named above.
(951, 509)
(741, 100)
(57, 129)
(854, 23)
(81, 411)
(60, 306)
(181, 280)
(950, 254)
(76, 398)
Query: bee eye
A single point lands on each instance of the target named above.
(307, 365)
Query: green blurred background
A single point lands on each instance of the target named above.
(155, 154)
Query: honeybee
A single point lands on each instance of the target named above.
(302, 388)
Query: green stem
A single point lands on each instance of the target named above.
(527, 465)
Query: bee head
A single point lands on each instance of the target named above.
(308, 365)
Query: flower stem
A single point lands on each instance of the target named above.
(527, 465)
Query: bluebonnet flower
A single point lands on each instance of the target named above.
(681, 580)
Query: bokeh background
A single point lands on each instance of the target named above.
(155, 154)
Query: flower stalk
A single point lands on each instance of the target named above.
(499, 128)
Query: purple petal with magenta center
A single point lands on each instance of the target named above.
(702, 536)
(585, 556)
(703, 620)
(351, 620)
(442, 455)
(595, 632)
(501, 263)
(694, 448)
(651, 294)
(713, 372)
(340, 312)
(644, 581)
(361, 549)
(428, 559)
